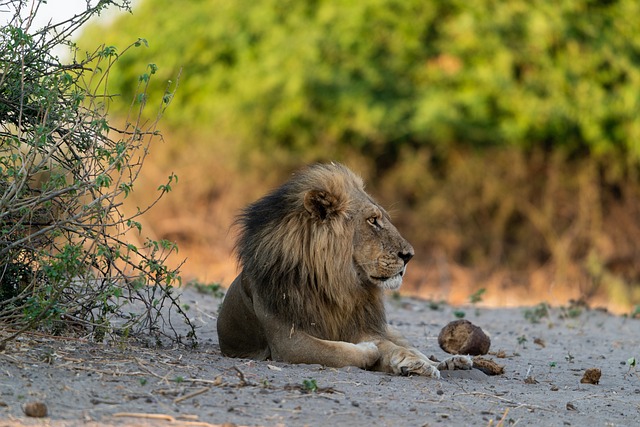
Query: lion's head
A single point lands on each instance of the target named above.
(320, 238)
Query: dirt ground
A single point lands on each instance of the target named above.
(544, 355)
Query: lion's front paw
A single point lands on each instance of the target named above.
(456, 362)
(407, 362)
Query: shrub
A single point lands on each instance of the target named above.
(68, 254)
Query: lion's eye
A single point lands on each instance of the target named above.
(373, 221)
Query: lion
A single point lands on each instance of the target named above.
(316, 256)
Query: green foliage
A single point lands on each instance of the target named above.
(460, 314)
(65, 257)
(214, 289)
(310, 385)
(476, 297)
(571, 312)
(318, 76)
(632, 362)
(537, 313)
(522, 340)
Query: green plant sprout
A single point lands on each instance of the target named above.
(476, 297)
(522, 340)
(632, 367)
(310, 385)
(460, 314)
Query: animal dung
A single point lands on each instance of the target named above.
(591, 376)
(35, 409)
(488, 366)
(463, 337)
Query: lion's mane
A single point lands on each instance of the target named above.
(301, 264)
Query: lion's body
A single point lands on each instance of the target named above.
(316, 255)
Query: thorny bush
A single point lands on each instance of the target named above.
(69, 256)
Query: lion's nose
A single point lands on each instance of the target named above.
(406, 254)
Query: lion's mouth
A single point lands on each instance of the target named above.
(385, 278)
(390, 282)
(393, 276)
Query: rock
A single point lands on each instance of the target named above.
(35, 409)
(463, 337)
(591, 376)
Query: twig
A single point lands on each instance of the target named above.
(217, 381)
(243, 379)
(104, 401)
(190, 395)
(44, 335)
(502, 399)
(504, 416)
(105, 372)
(293, 411)
(165, 417)
(146, 416)
(144, 367)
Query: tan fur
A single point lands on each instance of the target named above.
(316, 255)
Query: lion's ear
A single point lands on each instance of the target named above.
(321, 204)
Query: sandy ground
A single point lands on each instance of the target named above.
(86, 384)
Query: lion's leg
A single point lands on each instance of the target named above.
(239, 331)
(300, 347)
(290, 345)
(400, 357)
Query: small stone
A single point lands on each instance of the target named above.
(591, 376)
(35, 409)
(463, 337)
(540, 342)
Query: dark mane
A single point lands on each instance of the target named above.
(301, 264)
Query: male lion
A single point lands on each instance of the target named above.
(316, 255)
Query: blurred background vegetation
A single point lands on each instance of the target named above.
(503, 136)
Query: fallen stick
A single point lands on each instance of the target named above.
(165, 417)
(190, 395)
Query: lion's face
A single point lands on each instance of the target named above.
(380, 253)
